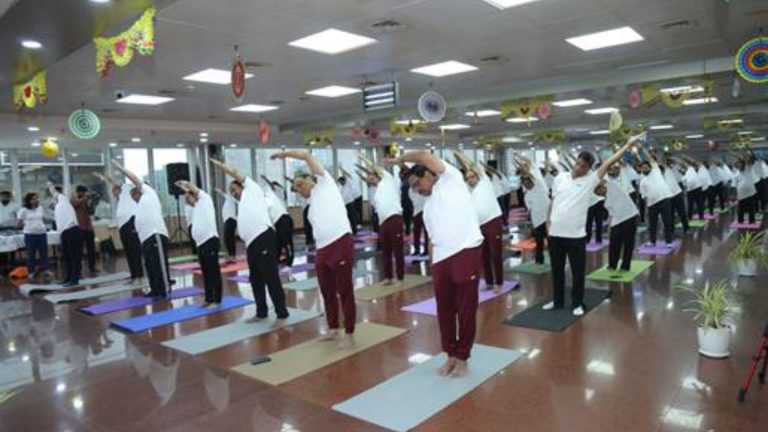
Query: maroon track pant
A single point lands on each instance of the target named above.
(391, 241)
(492, 251)
(334, 265)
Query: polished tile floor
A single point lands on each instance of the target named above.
(630, 365)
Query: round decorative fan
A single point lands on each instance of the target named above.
(84, 124)
(432, 106)
(752, 60)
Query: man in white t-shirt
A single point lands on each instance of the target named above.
(229, 216)
(693, 188)
(571, 197)
(152, 232)
(348, 195)
(125, 216)
(206, 238)
(8, 210)
(657, 196)
(624, 215)
(456, 252)
(69, 234)
(282, 222)
(537, 201)
(255, 228)
(746, 192)
(335, 246)
(677, 201)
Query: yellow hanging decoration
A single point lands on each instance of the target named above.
(650, 94)
(119, 50)
(318, 136)
(556, 135)
(490, 141)
(627, 131)
(409, 129)
(676, 144)
(523, 109)
(31, 92)
(725, 124)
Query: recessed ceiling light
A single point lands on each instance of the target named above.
(597, 111)
(113, 144)
(454, 126)
(571, 102)
(662, 127)
(756, 139)
(74, 155)
(731, 121)
(700, 101)
(214, 76)
(253, 108)
(683, 89)
(522, 119)
(138, 99)
(135, 140)
(600, 132)
(233, 145)
(505, 4)
(356, 143)
(204, 134)
(179, 144)
(694, 136)
(33, 129)
(511, 139)
(451, 67)
(203, 140)
(483, 113)
(31, 44)
(100, 1)
(409, 122)
(332, 41)
(35, 144)
(604, 39)
(52, 138)
(333, 91)
(408, 139)
(745, 133)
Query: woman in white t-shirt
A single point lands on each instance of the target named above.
(30, 219)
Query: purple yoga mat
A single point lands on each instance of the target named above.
(429, 306)
(594, 246)
(658, 249)
(746, 225)
(707, 216)
(298, 268)
(193, 266)
(132, 302)
(415, 259)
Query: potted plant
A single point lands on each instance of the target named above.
(749, 254)
(711, 307)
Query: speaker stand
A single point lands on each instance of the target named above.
(179, 233)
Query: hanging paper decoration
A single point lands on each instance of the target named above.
(407, 129)
(677, 144)
(525, 109)
(31, 92)
(752, 60)
(740, 141)
(724, 124)
(393, 149)
(357, 133)
(318, 136)
(544, 110)
(712, 145)
(490, 141)
(49, 149)
(650, 94)
(372, 134)
(238, 78)
(635, 99)
(119, 50)
(615, 122)
(264, 133)
(626, 131)
(84, 124)
(556, 135)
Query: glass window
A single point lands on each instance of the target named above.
(325, 156)
(239, 158)
(271, 169)
(135, 160)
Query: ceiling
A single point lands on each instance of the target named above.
(534, 59)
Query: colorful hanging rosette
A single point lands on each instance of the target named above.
(752, 60)
(119, 50)
(31, 92)
(409, 129)
(526, 109)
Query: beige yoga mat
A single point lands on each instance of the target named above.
(379, 290)
(299, 360)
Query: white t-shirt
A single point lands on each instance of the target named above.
(8, 214)
(387, 197)
(514, 182)
(357, 191)
(33, 220)
(691, 179)
(618, 203)
(757, 171)
(253, 214)
(275, 205)
(64, 213)
(745, 184)
(188, 212)
(484, 200)
(703, 174)
(764, 169)
(418, 201)
(149, 215)
(625, 180)
(126, 206)
(549, 179)
(229, 208)
(714, 174)
(348, 192)
(570, 202)
(498, 189)
(506, 185)
(672, 184)
(632, 173)
(449, 216)
(653, 187)
(537, 199)
(327, 212)
(203, 219)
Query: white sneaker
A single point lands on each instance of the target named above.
(549, 306)
(579, 311)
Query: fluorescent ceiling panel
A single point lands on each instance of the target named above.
(694, 136)
(683, 89)
(506, 4)
(138, 99)
(598, 111)
(455, 126)
(662, 127)
(443, 69)
(605, 39)
(522, 119)
(483, 113)
(253, 108)
(333, 91)
(332, 41)
(600, 132)
(214, 76)
(571, 102)
(700, 101)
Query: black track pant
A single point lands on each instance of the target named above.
(264, 274)
(208, 258)
(155, 252)
(284, 228)
(132, 248)
(622, 244)
(575, 251)
(72, 251)
(230, 236)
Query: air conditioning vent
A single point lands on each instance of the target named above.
(679, 24)
(387, 26)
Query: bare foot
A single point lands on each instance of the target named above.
(205, 305)
(279, 323)
(447, 367)
(254, 319)
(330, 336)
(497, 289)
(386, 282)
(213, 305)
(460, 369)
(346, 341)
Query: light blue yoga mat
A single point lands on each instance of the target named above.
(405, 401)
(313, 283)
(146, 322)
(218, 337)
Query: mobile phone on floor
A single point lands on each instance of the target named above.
(260, 360)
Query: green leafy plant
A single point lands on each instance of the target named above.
(750, 247)
(711, 305)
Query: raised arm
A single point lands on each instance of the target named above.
(220, 192)
(617, 155)
(425, 158)
(106, 179)
(466, 163)
(188, 187)
(369, 165)
(228, 169)
(315, 167)
(128, 174)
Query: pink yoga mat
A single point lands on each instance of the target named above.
(658, 249)
(194, 266)
(707, 216)
(429, 306)
(594, 246)
(746, 225)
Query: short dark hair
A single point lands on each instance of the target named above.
(419, 171)
(28, 200)
(5, 193)
(587, 157)
(237, 183)
(58, 189)
(645, 163)
(81, 189)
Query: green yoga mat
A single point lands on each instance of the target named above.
(694, 224)
(605, 275)
(531, 268)
(181, 259)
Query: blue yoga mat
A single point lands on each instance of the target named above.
(427, 392)
(146, 322)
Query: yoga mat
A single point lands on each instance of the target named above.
(429, 306)
(238, 266)
(132, 302)
(556, 320)
(694, 223)
(366, 239)
(528, 244)
(605, 275)
(310, 356)
(378, 291)
(746, 225)
(707, 216)
(364, 255)
(181, 259)
(415, 259)
(595, 247)
(92, 293)
(28, 289)
(298, 268)
(531, 268)
(147, 322)
(658, 249)
(363, 233)
(313, 283)
(408, 399)
(218, 337)
(721, 211)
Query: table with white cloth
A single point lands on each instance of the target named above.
(11, 241)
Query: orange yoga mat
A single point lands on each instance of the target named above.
(229, 268)
(527, 244)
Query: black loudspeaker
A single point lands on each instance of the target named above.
(175, 172)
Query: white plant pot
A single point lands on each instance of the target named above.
(714, 343)
(747, 268)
